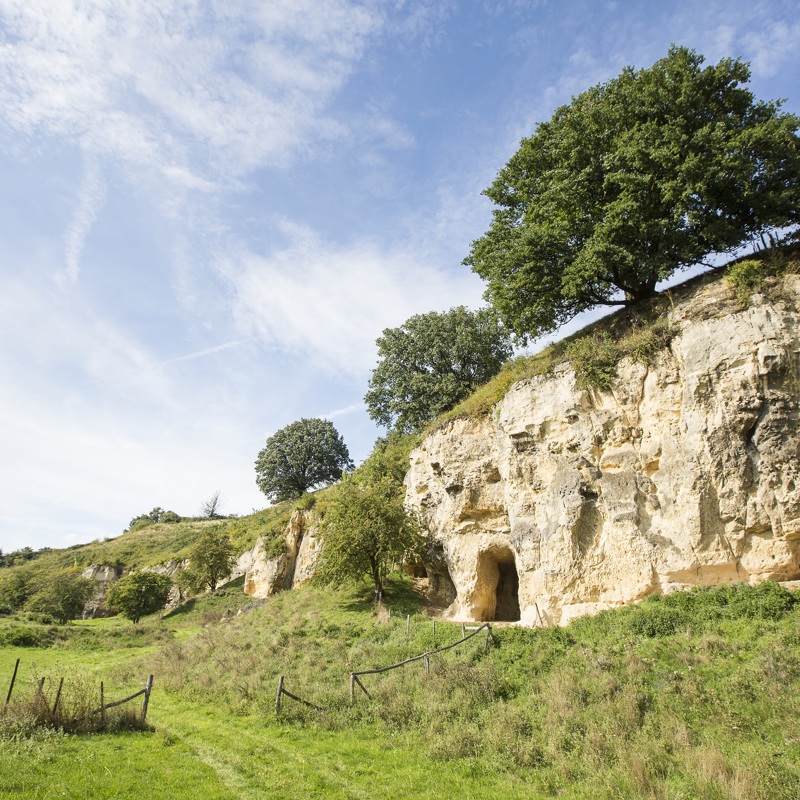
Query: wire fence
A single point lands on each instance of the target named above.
(425, 657)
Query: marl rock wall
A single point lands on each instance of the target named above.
(565, 502)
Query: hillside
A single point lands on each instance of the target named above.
(689, 694)
(692, 695)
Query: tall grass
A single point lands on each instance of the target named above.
(693, 694)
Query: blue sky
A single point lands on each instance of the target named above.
(210, 211)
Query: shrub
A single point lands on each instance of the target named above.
(594, 359)
(139, 594)
(643, 342)
(744, 278)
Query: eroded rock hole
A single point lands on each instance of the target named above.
(498, 586)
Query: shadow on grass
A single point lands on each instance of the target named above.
(399, 595)
(234, 587)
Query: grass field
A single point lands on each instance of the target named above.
(688, 696)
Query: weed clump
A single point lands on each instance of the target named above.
(69, 705)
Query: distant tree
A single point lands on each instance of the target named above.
(212, 506)
(139, 594)
(432, 362)
(305, 455)
(211, 559)
(636, 178)
(61, 595)
(16, 586)
(158, 514)
(366, 530)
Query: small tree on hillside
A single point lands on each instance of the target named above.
(211, 559)
(61, 595)
(212, 506)
(366, 530)
(304, 455)
(432, 362)
(635, 179)
(139, 594)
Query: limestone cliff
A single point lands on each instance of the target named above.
(266, 575)
(565, 501)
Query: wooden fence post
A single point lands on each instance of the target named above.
(13, 679)
(278, 695)
(147, 689)
(58, 697)
(427, 665)
(352, 687)
(102, 704)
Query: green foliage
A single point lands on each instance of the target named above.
(431, 362)
(366, 530)
(640, 339)
(62, 597)
(17, 557)
(139, 593)
(745, 277)
(210, 560)
(158, 514)
(17, 585)
(304, 455)
(635, 179)
(594, 360)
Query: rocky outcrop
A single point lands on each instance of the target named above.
(103, 575)
(171, 567)
(267, 574)
(565, 502)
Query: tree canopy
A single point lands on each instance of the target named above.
(61, 594)
(432, 362)
(366, 530)
(304, 455)
(636, 178)
(139, 593)
(211, 559)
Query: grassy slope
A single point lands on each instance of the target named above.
(687, 696)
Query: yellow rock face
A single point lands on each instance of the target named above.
(686, 472)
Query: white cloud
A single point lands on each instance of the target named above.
(180, 87)
(330, 303)
(91, 198)
(772, 46)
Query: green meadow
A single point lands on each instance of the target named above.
(693, 695)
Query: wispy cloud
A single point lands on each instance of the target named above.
(91, 198)
(329, 302)
(196, 92)
(343, 412)
(205, 352)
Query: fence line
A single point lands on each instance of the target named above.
(354, 676)
(103, 705)
(282, 691)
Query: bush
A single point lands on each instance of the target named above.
(744, 278)
(594, 360)
(140, 593)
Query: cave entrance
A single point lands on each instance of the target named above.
(498, 584)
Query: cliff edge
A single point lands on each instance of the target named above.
(565, 501)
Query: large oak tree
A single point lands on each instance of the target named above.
(304, 455)
(636, 178)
